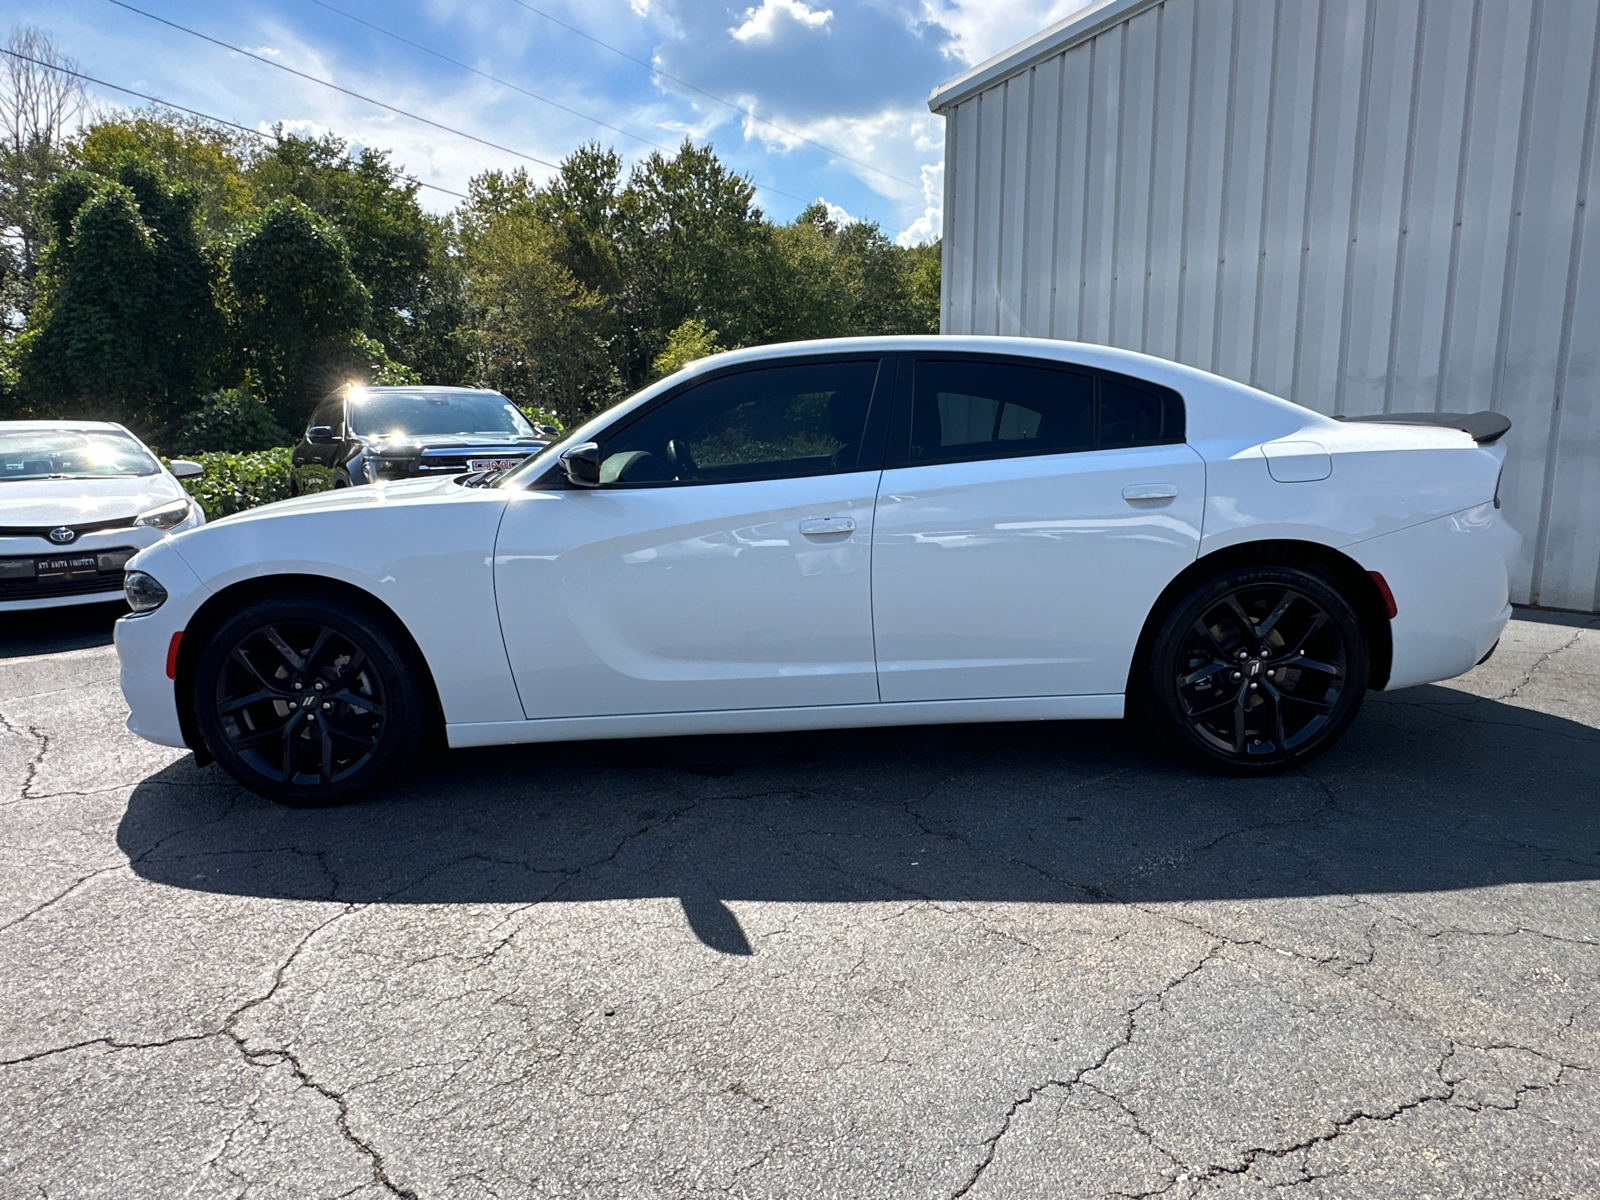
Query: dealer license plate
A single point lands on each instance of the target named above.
(76, 566)
(491, 464)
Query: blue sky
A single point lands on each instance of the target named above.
(853, 76)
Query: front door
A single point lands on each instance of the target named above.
(1036, 515)
(723, 562)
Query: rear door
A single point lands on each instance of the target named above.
(1029, 516)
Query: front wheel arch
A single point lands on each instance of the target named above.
(211, 615)
(1339, 570)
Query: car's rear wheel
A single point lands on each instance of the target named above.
(1258, 670)
(309, 701)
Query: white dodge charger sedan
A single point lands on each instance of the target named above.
(862, 532)
(78, 499)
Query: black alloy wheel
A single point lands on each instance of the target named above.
(1258, 670)
(307, 701)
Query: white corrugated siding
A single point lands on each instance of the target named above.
(1363, 205)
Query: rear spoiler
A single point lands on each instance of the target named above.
(1485, 427)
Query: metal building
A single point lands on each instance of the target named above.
(1361, 205)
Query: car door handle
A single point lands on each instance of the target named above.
(814, 526)
(1150, 491)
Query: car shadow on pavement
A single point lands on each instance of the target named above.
(1431, 790)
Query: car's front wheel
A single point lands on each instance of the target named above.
(309, 701)
(1257, 670)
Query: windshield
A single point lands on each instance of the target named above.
(421, 414)
(69, 454)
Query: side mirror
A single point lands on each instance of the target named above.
(182, 468)
(320, 435)
(582, 465)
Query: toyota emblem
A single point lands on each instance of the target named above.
(63, 535)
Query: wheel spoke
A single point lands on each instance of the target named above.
(1317, 623)
(289, 729)
(251, 740)
(1247, 626)
(233, 706)
(1205, 672)
(1321, 706)
(327, 752)
(1311, 664)
(289, 656)
(1238, 723)
(355, 700)
(1204, 630)
(316, 649)
(1271, 622)
(243, 659)
(1211, 708)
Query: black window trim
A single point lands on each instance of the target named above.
(899, 448)
(873, 438)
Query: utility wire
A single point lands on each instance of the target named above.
(543, 162)
(193, 112)
(524, 91)
(654, 70)
(485, 75)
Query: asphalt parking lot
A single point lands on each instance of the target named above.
(983, 961)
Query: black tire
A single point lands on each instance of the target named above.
(1257, 670)
(310, 701)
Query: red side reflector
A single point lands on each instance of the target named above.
(172, 649)
(1383, 590)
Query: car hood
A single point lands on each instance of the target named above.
(36, 503)
(370, 495)
(439, 441)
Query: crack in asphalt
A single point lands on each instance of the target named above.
(1130, 1031)
(25, 792)
(1539, 663)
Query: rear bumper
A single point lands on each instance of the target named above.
(1451, 583)
(142, 642)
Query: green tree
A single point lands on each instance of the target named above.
(689, 342)
(205, 159)
(692, 243)
(125, 326)
(534, 332)
(373, 206)
(299, 309)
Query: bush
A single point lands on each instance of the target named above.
(235, 482)
(232, 421)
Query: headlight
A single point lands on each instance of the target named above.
(168, 516)
(143, 592)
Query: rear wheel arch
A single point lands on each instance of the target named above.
(1339, 570)
(214, 612)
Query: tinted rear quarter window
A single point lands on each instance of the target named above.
(974, 409)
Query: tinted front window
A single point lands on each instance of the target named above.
(991, 410)
(768, 423)
(423, 415)
(47, 453)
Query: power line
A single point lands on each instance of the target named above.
(654, 70)
(381, 104)
(485, 75)
(193, 112)
(335, 87)
(524, 91)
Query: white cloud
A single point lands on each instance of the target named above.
(768, 22)
(837, 213)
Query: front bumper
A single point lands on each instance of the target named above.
(143, 641)
(23, 585)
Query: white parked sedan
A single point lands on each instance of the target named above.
(861, 532)
(78, 499)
